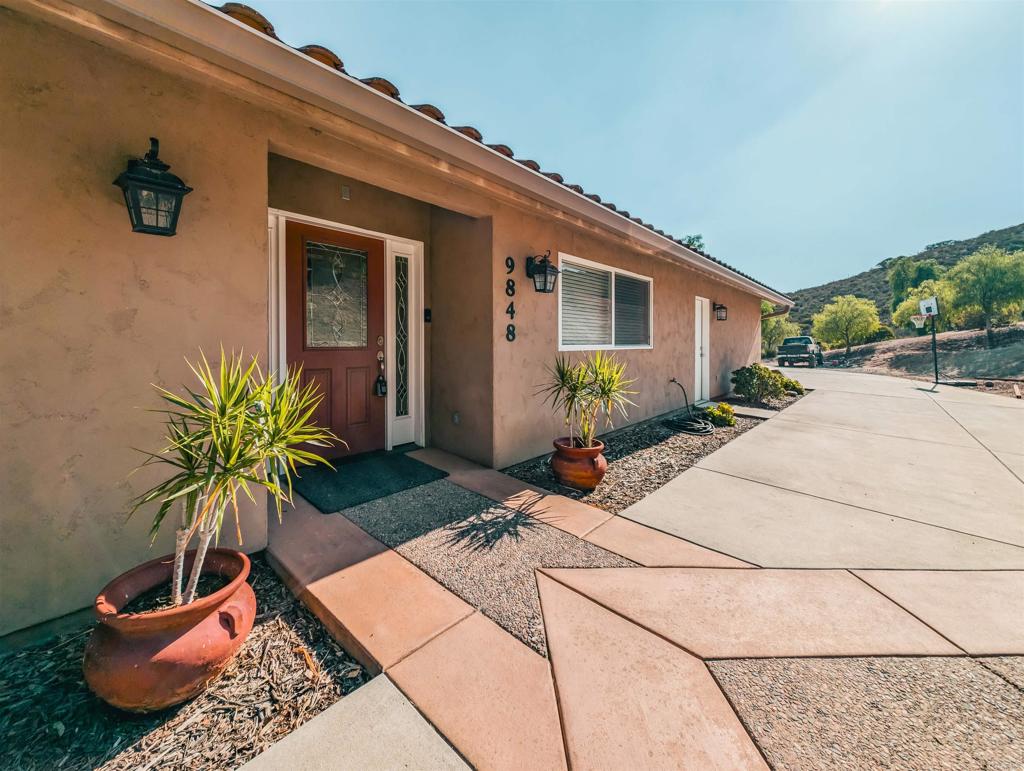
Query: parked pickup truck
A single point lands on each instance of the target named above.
(794, 349)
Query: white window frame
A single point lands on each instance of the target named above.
(569, 259)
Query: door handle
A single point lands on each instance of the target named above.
(380, 385)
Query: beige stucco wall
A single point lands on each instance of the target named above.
(92, 313)
(522, 430)
(461, 350)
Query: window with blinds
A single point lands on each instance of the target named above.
(586, 306)
(603, 308)
(632, 311)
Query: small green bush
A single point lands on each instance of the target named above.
(721, 415)
(756, 383)
(789, 384)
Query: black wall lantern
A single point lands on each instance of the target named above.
(151, 193)
(721, 312)
(543, 273)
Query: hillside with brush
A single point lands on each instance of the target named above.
(874, 283)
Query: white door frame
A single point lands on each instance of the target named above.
(411, 428)
(702, 350)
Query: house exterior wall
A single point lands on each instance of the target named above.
(93, 313)
(461, 352)
(523, 428)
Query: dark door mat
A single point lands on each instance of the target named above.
(363, 478)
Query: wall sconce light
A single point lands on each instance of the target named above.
(721, 312)
(152, 194)
(543, 273)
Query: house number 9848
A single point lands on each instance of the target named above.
(510, 291)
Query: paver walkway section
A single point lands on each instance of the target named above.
(693, 659)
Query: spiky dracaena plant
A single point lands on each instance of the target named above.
(239, 430)
(607, 389)
(586, 389)
(566, 390)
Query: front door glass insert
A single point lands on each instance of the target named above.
(336, 296)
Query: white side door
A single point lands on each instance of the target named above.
(701, 346)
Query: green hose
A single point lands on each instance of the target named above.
(693, 423)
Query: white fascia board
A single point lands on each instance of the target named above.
(205, 32)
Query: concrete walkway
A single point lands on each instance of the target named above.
(864, 472)
(689, 661)
(375, 727)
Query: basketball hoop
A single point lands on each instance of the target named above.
(919, 320)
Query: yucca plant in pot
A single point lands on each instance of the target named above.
(588, 393)
(238, 432)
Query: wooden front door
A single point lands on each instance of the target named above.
(335, 328)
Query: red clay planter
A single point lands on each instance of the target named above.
(144, 662)
(581, 468)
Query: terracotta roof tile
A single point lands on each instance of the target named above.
(431, 111)
(324, 56)
(470, 132)
(252, 18)
(383, 85)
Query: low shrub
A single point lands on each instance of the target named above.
(756, 383)
(789, 384)
(721, 415)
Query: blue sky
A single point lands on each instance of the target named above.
(806, 141)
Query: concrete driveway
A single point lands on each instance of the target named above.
(866, 471)
(693, 657)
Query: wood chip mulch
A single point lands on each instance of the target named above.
(288, 671)
(641, 458)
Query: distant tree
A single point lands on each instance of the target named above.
(846, 320)
(906, 273)
(990, 283)
(950, 315)
(695, 241)
(775, 330)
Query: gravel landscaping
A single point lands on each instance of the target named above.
(482, 551)
(288, 671)
(773, 404)
(1010, 668)
(641, 458)
(870, 713)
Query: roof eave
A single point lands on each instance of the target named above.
(204, 31)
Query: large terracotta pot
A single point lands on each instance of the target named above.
(582, 468)
(148, 661)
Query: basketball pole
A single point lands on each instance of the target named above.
(935, 352)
